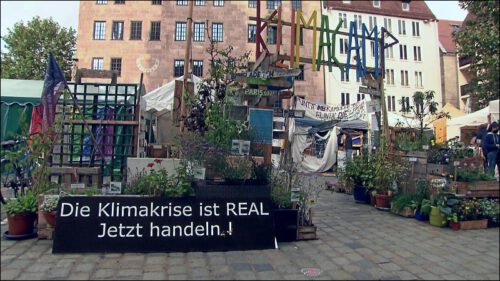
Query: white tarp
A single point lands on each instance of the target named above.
(309, 163)
(162, 98)
(473, 119)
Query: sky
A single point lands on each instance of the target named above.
(66, 12)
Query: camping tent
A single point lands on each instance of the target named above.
(159, 103)
(477, 118)
(18, 97)
(307, 132)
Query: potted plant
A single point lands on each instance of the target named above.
(470, 217)
(424, 210)
(490, 209)
(453, 220)
(308, 196)
(404, 205)
(49, 209)
(357, 174)
(21, 214)
(286, 218)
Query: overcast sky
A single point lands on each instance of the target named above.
(66, 12)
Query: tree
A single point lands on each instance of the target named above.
(478, 39)
(29, 45)
(424, 109)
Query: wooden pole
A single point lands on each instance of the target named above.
(187, 62)
(278, 31)
(292, 41)
(257, 41)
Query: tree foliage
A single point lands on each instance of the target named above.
(478, 39)
(29, 46)
(424, 109)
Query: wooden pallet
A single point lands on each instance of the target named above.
(90, 176)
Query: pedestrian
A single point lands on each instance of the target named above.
(491, 144)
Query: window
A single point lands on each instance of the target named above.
(99, 30)
(401, 27)
(344, 99)
(406, 6)
(417, 56)
(178, 68)
(402, 52)
(180, 31)
(405, 103)
(358, 20)
(391, 103)
(404, 78)
(136, 30)
(415, 28)
(117, 32)
(101, 2)
(376, 4)
(218, 3)
(155, 31)
(119, 1)
(181, 2)
(273, 4)
(116, 65)
(199, 3)
(296, 4)
(343, 76)
(389, 76)
(388, 24)
(252, 3)
(197, 68)
(199, 32)
(343, 45)
(156, 2)
(372, 22)
(272, 35)
(343, 16)
(418, 79)
(361, 97)
(389, 52)
(301, 76)
(372, 47)
(252, 29)
(97, 63)
(217, 32)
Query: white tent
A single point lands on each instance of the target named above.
(477, 118)
(159, 104)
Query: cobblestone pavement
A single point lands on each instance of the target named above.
(355, 242)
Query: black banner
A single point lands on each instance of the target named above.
(153, 224)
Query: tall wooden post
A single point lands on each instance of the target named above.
(187, 62)
(385, 121)
(257, 42)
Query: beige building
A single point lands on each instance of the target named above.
(150, 37)
(465, 75)
(449, 62)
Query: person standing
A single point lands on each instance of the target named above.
(491, 144)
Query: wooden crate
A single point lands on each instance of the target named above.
(477, 189)
(90, 176)
(437, 169)
(476, 224)
(306, 232)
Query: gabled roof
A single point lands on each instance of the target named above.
(445, 30)
(418, 9)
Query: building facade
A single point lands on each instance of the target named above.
(412, 65)
(134, 37)
(465, 75)
(449, 62)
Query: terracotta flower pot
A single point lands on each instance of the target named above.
(382, 201)
(21, 224)
(454, 225)
(50, 217)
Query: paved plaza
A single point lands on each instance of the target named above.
(355, 242)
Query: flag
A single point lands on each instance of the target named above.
(53, 84)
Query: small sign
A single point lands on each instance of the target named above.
(199, 173)
(294, 113)
(54, 178)
(115, 187)
(369, 91)
(456, 163)
(270, 73)
(372, 106)
(77, 185)
(295, 195)
(240, 147)
(259, 92)
(412, 159)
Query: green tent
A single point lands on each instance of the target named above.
(17, 99)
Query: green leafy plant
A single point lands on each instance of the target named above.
(401, 201)
(490, 209)
(25, 203)
(49, 204)
(468, 175)
(470, 209)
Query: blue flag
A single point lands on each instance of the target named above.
(53, 85)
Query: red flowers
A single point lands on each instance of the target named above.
(157, 161)
(150, 165)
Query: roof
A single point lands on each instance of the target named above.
(21, 91)
(418, 9)
(445, 30)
